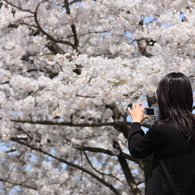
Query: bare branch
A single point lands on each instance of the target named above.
(50, 37)
(108, 152)
(9, 174)
(72, 124)
(75, 1)
(126, 170)
(88, 160)
(73, 27)
(111, 187)
(19, 183)
(20, 8)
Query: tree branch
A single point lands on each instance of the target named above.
(73, 27)
(13, 167)
(108, 152)
(75, 1)
(88, 160)
(111, 187)
(25, 10)
(50, 37)
(72, 124)
(19, 184)
(142, 44)
(126, 170)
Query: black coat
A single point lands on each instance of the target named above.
(173, 164)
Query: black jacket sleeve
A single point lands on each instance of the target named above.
(142, 145)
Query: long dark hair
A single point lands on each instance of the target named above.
(175, 101)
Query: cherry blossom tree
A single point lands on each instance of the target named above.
(68, 71)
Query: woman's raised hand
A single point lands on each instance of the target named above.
(137, 112)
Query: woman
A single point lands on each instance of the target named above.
(171, 140)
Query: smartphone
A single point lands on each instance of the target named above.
(151, 112)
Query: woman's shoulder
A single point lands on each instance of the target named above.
(167, 129)
(164, 124)
(162, 128)
(155, 129)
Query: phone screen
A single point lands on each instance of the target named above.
(150, 111)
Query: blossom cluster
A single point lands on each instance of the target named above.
(68, 72)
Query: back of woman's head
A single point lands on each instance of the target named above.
(175, 100)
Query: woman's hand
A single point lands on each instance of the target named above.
(137, 112)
